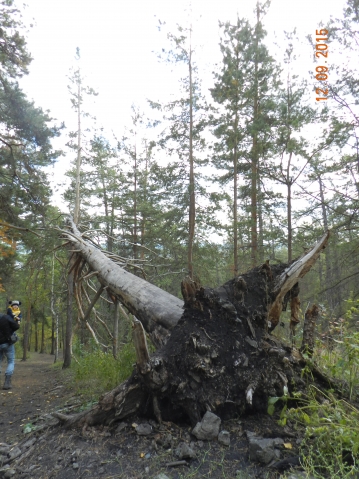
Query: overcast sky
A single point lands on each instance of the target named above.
(119, 39)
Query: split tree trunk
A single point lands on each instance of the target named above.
(218, 353)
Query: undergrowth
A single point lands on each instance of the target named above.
(330, 447)
(95, 371)
(338, 351)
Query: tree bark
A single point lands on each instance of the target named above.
(27, 331)
(158, 310)
(291, 275)
(191, 188)
(69, 319)
(235, 199)
(310, 319)
(78, 158)
(289, 217)
(116, 316)
(42, 344)
(255, 155)
(328, 259)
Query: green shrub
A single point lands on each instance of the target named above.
(96, 371)
(342, 359)
(330, 447)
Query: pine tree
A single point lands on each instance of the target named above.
(26, 131)
(246, 88)
(228, 129)
(291, 153)
(100, 189)
(184, 121)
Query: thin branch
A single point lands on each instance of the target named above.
(7, 225)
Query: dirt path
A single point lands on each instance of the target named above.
(35, 390)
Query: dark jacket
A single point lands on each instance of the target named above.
(7, 326)
(10, 312)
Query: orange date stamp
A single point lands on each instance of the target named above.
(321, 51)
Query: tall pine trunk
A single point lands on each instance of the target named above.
(255, 156)
(135, 205)
(235, 198)
(42, 343)
(69, 317)
(328, 263)
(192, 204)
(289, 220)
(78, 159)
(26, 332)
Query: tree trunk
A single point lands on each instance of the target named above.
(158, 310)
(27, 331)
(116, 316)
(42, 343)
(218, 355)
(235, 202)
(328, 260)
(54, 317)
(289, 220)
(69, 319)
(308, 342)
(260, 203)
(255, 156)
(135, 203)
(78, 158)
(36, 336)
(191, 188)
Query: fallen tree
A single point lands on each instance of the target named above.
(158, 310)
(216, 351)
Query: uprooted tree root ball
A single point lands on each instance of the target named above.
(219, 357)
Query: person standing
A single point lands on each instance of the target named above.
(8, 326)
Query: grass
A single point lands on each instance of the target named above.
(330, 448)
(94, 371)
(207, 467)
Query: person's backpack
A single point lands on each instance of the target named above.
(13, 338)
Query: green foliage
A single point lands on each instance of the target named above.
(26, 130)
(246, 133)
(271, 406)
(96, 371)
(330, 447)
(340, 357)
(29, 427)
(348, 363)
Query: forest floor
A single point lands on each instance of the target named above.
(49, 451)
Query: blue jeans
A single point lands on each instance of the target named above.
(8, 350)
